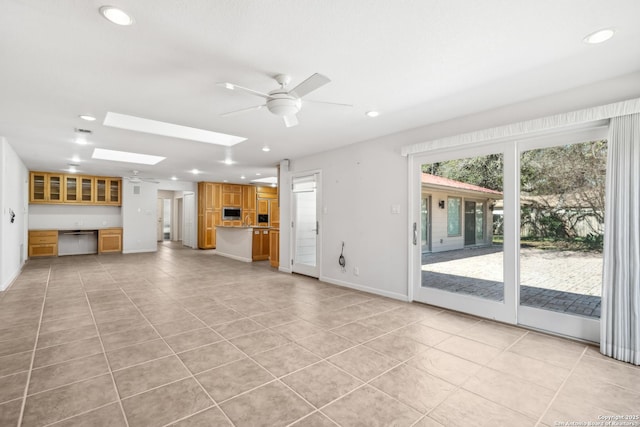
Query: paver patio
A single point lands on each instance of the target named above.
(564, 281)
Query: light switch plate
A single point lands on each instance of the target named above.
(395, 209)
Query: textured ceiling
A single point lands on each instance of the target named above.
(417, 62)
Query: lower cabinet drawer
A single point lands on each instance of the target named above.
(43, 250)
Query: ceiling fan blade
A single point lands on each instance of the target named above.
(329, 103)
(312, 83)
(232, 86)
(244, 110)
(290, 121)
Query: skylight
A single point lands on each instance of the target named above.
(156, 127)
(267, 180)
(125, 156)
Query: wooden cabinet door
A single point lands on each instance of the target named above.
(274, 217)
(87, 188)
(110, 240)
(101, 190)
(71, 189)
(248, 198)
(115, 192)
(54, 188)
(274, 248)
(263, 207)
(38, 193)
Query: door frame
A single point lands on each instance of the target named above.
(317, 272)
(511, 311)
(505, 311)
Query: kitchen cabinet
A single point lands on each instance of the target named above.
(66, 189)
(209, 213)
(248, 198)
(260, 248)
(109, 240)
(78, 189)
(43, 243)
(108, 191)
(274, 247)
(45, 188)
(231, 195)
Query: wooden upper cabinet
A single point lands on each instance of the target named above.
(88, 190)
(248, 198)
(231, 195)
(46, 188)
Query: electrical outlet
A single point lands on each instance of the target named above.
(356, 271)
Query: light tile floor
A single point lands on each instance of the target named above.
(187, 338)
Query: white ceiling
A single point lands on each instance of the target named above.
(407, 59)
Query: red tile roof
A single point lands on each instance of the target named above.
(451, 183)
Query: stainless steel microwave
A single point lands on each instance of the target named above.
(231, 214)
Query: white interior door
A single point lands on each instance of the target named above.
(160, 220)
(305, 225)
(187, 229)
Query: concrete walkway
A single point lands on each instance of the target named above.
(564, 281)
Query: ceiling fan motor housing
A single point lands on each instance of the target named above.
(283, 105)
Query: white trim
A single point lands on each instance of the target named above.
(367, 289)
(529, 128)
(285, 270)
(5, 286)
(565, 324)
(140, 251)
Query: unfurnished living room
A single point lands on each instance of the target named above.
(319, 213)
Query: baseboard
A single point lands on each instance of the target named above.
(14, 276)
(284, 269)
(140, 251)
(367, 289)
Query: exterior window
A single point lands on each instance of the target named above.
(453, 216)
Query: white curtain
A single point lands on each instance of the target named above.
(620, 319)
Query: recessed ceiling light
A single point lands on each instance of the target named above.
(81, 140)
(75, 159)
(125, 156)
(599, 36)
(243, 177)
(195, 171)
(228, 162)
(174, 178)
(155, 127)
(116, 16)
(372, 113)
(87, 117)
(266, 149)
(226, 180)
(258, 174)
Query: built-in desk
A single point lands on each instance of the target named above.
(74, 242)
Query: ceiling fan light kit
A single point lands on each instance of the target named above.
(281, 102)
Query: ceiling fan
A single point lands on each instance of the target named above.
(283, 102)
(136, 178)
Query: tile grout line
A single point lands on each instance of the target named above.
(215, 404)
(104, 353)
(33, 355)
(555, 396)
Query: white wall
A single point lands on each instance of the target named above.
(362, 181)
(14, 188)
(139, 217)
(73, 217)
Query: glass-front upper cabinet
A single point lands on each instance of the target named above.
(115, 191)
(71, 189)
(46, 187)
(86, 195)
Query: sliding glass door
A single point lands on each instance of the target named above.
(513, 231)
(461, 255)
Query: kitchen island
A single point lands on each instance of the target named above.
(246, 243)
